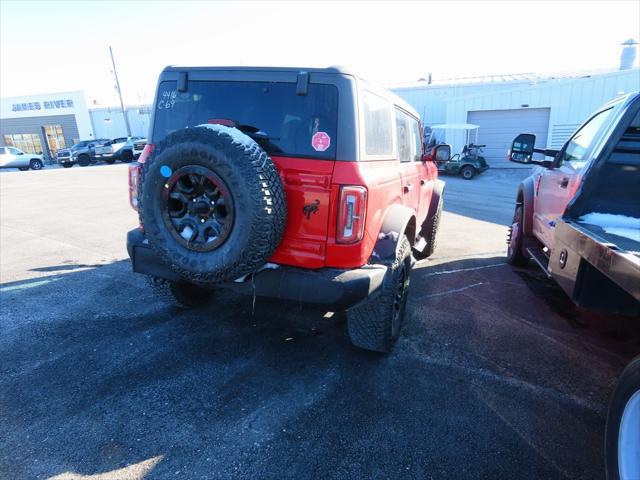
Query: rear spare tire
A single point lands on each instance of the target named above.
(212, 204)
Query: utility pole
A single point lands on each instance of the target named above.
(115, 74)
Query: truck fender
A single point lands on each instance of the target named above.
(436, 195)
(399, 220)
(525, 196)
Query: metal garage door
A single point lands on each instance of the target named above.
(498, 128)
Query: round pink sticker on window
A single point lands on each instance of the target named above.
(320, 141)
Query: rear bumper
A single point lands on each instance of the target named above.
(328, 287)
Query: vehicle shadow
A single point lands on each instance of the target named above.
(97, 375)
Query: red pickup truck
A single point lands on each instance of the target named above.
(578, 218)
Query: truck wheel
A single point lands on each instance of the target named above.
(212, 204)
(515, 253)
(180, 294)
(431, 231)
(36, 164)
(375, 323)
(83, 160)
(622, 433)
(127, 156)
(468, 172)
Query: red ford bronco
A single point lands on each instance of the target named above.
(300, 184)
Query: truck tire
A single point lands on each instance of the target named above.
(127, 156)
(36, 164)
(622, 432)
(515, 239)
(180, 294)
(468, 172)
(212, 204)
(375, 323)
(83, 160)
(431, 231)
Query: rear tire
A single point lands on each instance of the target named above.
(180, 294)
(622, 432)
(375, 323)
(248, 186)
(431, 231)
(468, 172)
(515, 239)
(127, 156)
(36, 164)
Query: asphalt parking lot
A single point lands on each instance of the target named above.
(496, 374)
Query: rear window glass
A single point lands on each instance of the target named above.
(282, 122)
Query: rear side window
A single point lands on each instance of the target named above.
(378, 127)
(408, 137)
(279, 120)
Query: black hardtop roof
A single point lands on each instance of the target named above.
(335, 69)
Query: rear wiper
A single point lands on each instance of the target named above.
(255, 132)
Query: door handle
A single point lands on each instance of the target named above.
(408, 187)
(564, 182)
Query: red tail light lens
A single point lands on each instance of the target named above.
(148, 150)
(352, 213)
(134, 180)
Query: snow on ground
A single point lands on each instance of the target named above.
(621, 225)
(236, 135)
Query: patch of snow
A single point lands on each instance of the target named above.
(621, 225)
(236, 135)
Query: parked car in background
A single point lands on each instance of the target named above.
(120, 148)
(83, 153)
(11, 157)
(138, 147)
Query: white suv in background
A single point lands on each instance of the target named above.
(11, 157)
(120, 148)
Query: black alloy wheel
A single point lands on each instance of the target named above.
(198, 208)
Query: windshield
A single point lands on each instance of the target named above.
(282, 122)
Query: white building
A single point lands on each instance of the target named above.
(551, 107)
(108, 122)
(44, 123)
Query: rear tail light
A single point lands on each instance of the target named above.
(134, 180)
(352, 213)
(148, 150)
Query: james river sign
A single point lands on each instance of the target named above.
(45, 105)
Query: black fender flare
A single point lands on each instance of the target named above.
(525, 197)
(436, 195)
(398, 220)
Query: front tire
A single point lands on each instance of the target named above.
(180, 294)
(36, 164)
(375, 323)
(515, 239)
(468, 172)
(622, 433)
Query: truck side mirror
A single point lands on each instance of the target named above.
(521, 150)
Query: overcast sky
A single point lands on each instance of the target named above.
(57, 46)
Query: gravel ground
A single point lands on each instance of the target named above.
(496, 374)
